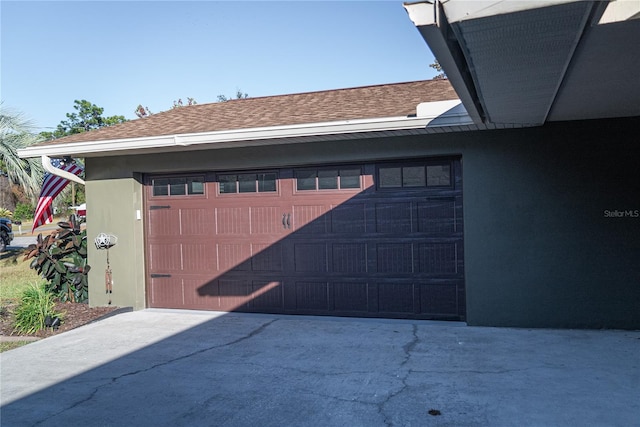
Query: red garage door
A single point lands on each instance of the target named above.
(381, 240)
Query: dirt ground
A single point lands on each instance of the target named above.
(74, 315)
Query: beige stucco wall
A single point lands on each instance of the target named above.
(112, 209)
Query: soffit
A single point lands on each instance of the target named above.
(529, 62)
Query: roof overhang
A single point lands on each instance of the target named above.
(528, 62)
(432, 117)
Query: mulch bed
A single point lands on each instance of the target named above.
(74, 315)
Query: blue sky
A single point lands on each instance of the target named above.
(119, 54)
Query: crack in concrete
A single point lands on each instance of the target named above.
(407, 348)
(113, 380)
(88, 398)
(195, 353)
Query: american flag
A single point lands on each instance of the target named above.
(51, 187)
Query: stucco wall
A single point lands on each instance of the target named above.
(112, 210)
(540, 249)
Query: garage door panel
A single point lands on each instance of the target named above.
(233, 256)
(312, 296)
(196, 222)
(165, 257)
(267, 257)
(163, 221)
(233, 294)
(198, 257)
(266, 296)
(350, 297)
(438, 258)
(349, 218)
(396, 298)
(266, 219)
(393, 217)
(310, 257)
(394, 258)
(310, 219)
(439, 299)
(200, 294)
(233, 221)
(437, 217)
(349, 258)
(166, 292)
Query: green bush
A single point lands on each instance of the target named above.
(61, 258)
(35, 305)
(6, 213)
(23, 212)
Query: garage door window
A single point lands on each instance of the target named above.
(414, 176)
(327, 179)
(182, 186)
(247, 183)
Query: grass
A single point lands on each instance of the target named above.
(10, 345)
(16, 277)
(36, 305)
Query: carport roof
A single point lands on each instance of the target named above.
(385, 107)
(532, 62)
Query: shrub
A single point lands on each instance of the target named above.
(61, 258)
(23, 212)
(35, 306)
(6, 213)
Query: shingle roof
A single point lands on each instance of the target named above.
(387, 100)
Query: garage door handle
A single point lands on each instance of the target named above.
(155, 276)
(286, 220)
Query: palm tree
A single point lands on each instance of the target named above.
(25, 173)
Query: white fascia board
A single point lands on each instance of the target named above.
(465, 10)
(220, 139)
(425, 12)
(620, 10)
(422, 13)
(434, 29)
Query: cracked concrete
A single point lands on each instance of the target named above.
(172, 368)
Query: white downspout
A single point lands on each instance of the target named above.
(46, 164)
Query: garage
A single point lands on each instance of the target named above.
(368, 240)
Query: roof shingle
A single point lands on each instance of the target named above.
(387, 100)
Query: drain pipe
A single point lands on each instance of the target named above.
(46, 164)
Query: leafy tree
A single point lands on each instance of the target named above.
(239, 95)
(87, 117)
(23, 212)
(61, 259)
(178, 103)
(436, 66)
(14, 171)
(141, 111)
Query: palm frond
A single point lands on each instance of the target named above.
(14, 135)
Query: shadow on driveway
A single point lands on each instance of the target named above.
(176, 368)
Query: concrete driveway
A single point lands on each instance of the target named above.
(174, 368)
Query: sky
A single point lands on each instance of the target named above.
(118, 54)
